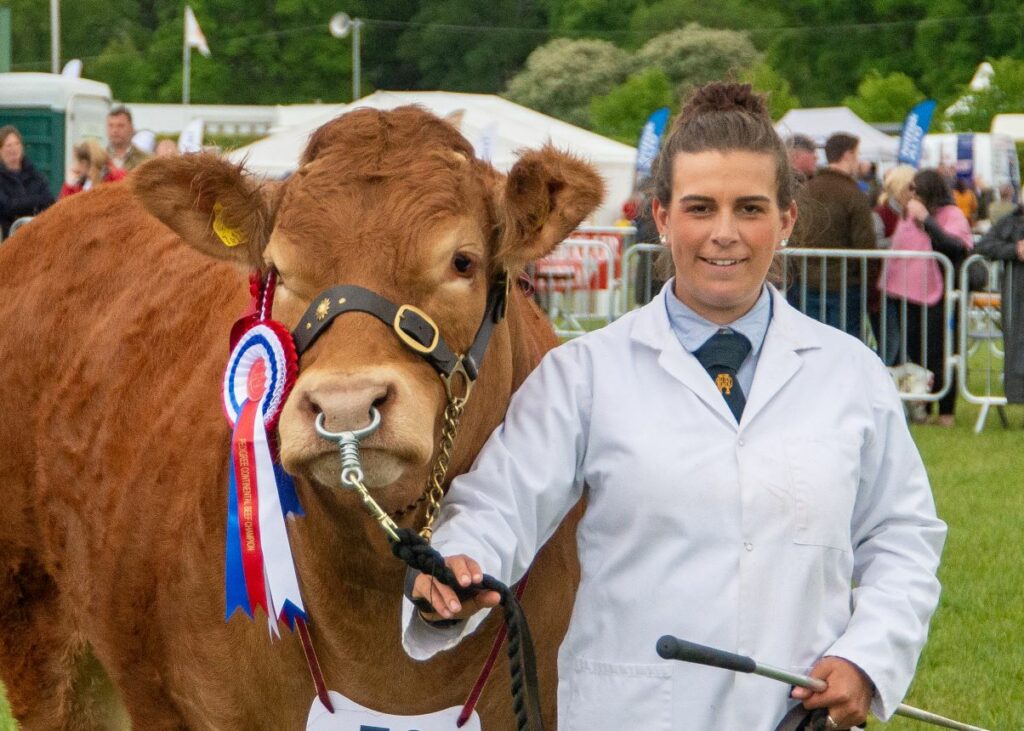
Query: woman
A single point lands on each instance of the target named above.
(732, 521)
(888, 214)
(90, 168)
(931, 222)
(23, 189)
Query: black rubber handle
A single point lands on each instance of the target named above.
(673, 648)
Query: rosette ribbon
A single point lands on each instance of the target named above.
(260, 570)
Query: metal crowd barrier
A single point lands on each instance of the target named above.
(638, 275)
(18, 223)
(885, 330)
(981, 338)
(972, 352)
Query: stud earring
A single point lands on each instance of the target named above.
(664, 240)
(783, 243)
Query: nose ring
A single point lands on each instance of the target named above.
(356, 434)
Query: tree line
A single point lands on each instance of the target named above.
(603, 64)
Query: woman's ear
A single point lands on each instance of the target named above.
(660, 215)
(789, 216)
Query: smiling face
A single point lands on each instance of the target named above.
(723, 224)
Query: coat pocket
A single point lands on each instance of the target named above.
(825, 476)
(618, 696)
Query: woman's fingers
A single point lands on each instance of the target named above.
(466, 570)
(443, 598)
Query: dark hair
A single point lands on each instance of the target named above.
(838, 145)
(9, 129)
(932, 189)
(801, 142)
(118, 111)
(721, 117)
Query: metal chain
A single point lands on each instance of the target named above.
(434, 490)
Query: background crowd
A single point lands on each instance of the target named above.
(844, 205)
(24, 190)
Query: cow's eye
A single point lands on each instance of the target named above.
(463, 264)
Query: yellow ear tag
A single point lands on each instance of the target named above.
(229, 235)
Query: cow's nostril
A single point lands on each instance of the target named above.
(310, 406)
(344, 404)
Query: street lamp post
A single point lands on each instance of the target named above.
(55, 36)
(340, 26)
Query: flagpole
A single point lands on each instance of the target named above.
(186, 63)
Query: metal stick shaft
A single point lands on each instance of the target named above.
(804, 681)
(903, 709)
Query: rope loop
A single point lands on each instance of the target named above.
(416, 552)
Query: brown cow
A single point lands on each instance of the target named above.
(114, 456)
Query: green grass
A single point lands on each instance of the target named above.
(6, 722)
(973, 666)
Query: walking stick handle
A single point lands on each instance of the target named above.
(673, 648)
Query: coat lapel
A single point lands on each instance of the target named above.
(653, 329)
(788, 335)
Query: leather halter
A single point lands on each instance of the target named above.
(413, 327)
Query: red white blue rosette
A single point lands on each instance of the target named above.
(260, 570)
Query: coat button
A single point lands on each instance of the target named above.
(749, 546)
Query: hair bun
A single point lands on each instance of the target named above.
(723, 96)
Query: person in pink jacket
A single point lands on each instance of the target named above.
(930, 222)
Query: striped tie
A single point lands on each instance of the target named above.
(722, 355)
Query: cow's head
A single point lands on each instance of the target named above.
(394, 202)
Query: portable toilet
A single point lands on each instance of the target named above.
(53, 113)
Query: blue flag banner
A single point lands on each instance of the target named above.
(915, 127)
(965, 157)
(649, 144)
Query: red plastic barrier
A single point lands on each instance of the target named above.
(589, 264)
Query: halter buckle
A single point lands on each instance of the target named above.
(408, 337)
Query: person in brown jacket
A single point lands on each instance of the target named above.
(834, 214)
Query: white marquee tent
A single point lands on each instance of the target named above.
(496, 128)
(821, 122)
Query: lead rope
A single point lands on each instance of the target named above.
(417, 552)
(420, 555)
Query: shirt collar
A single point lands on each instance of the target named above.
(693, 330)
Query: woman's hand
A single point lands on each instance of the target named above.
(917, 210)
(1020, 249)
(446, 604)
(849, 692)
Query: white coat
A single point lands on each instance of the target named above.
(746, 537)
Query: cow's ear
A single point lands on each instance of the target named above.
(212, 204)
(546, 195)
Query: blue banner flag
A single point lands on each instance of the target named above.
(915, 127)
(965, 157)
(649, 144)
